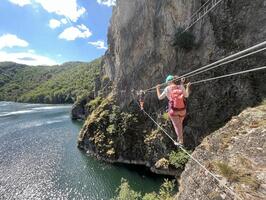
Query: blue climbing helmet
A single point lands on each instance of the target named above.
(169, 78)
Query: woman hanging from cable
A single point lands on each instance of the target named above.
(176, 95)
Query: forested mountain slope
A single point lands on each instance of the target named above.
(47, 84)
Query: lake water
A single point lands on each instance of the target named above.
(39, 158)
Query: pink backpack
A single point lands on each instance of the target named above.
(176, 101)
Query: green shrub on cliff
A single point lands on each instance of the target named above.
(165, 116)
(93, 104)
(109, 127)
(124, 192)
(184, 40)
(178, 158)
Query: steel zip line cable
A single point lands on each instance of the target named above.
(262, 44)
(222, 61)
(200, 17)
(228, 75)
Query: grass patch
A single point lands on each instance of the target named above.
(233, 175)
(228, 172)
(250, 181)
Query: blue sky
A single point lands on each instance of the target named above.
(37, 32)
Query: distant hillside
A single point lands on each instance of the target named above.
(46, 84)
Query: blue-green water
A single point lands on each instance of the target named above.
(39, 158)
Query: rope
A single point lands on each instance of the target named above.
(221, 61)
(227, 75)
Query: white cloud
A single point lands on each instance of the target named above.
(10, 40)
(21, 2)
(107, 2)
(26, 58)
(67, 8)
(98, 44)
(64, 21)
(72, 33)
(31, 51)
(53, 23)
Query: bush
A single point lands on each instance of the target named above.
(167, 190)
(126, 193)
(184, 40)
(178, 159)
(151, 196)
(93, 104)
(165, 116)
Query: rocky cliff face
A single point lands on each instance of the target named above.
(140, 55)
(236, 153)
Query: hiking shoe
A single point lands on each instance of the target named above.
(176, 143)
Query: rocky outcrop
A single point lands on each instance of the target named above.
(236, 153)
(120, 137)
(140, 54)
(79, 110)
